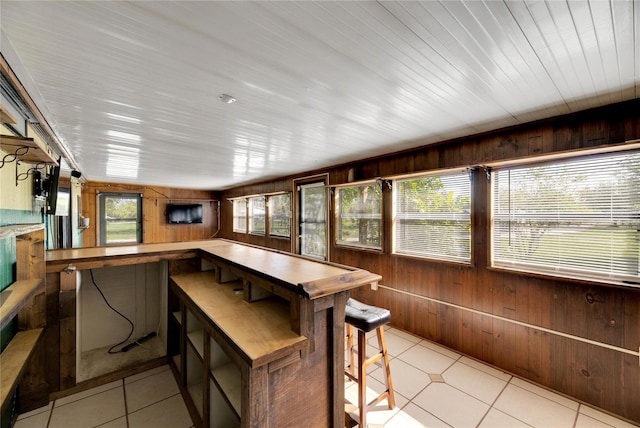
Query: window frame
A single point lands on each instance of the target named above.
(358, 217)
(102, 220)
(271, 215)
(465, 216)
(565, 271)
(252, 203)
(237, 203)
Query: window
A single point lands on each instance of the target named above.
(432, 216)
(240, 215)
(578, 218)
(257, 215)
(120, 218)
(359, 215)
(280, 215)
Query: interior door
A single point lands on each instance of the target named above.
(312, 220)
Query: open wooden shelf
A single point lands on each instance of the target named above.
(260, 331)
(197, 340)
(19, 229)
(35, 153)
(178, 316)
(14, 360)
(197, 393)
(229, 380)
(14, 297)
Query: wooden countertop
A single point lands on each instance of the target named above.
(260, 331)
(312, 279)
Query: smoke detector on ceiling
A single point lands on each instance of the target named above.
(228, 99)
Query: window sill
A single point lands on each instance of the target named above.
(358, 248)
(573, 279)
(459, 263)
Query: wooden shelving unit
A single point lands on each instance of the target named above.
(26, 150)
(14, 297)
(25, 301)
(14, 360)
(224, 337)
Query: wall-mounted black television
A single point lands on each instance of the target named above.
(184, 213)
(51, 185)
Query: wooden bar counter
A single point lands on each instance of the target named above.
(256, 336)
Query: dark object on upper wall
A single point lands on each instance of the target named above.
(50, 186)
(76, 174)
(184, 213)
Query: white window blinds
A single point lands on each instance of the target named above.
(240, 215)
(432, 216)
(578, 218)
(257, 215)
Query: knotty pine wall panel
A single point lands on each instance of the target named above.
(155, 227)
(491, 304)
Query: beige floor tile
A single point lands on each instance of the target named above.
(396, 345)
(496, 419)
(88, 393)
(584, 421)
(474, 382)
(549, 395)
(534, 409)
(91, 411)
(406, 379)
(378, 415)
(426, 359)
(439, 349)
(169, 413)
(485, 368)
(451, 405)
(146, 374)
(403, 334)
(39, 420)
(34, 412)
(117, 423)
(412, 416)
(603, 417)
(150, 390)
(374, 388)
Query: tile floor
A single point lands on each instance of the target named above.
(434, 386)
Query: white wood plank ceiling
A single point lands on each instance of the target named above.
(132, 87)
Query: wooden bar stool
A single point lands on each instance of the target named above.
(366, 318)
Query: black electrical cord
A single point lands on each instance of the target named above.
(114, 310)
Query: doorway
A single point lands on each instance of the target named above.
(312, 228)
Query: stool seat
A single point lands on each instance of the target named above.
(366, 317)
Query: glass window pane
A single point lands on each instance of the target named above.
(240, 215)
(280, 215)
(257, 216)
(578, 218)
(432, 216)
(121, 219)
(359, 216)
(313, 223)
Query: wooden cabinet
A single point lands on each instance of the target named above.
(226, 343)
(22, 361)
(273, 350)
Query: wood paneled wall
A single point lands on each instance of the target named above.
(488, 300)
(154, 212)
